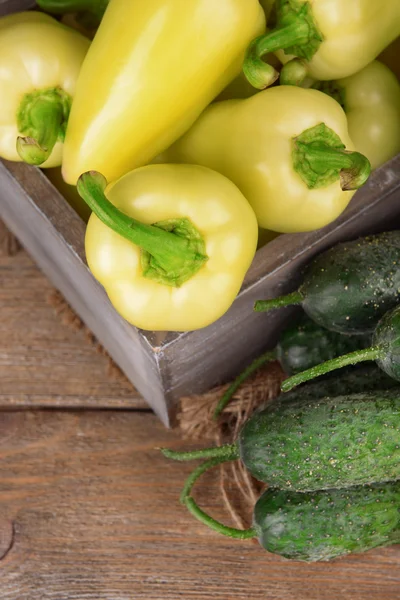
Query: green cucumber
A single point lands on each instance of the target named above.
(351, 286)
(313, 526)
(385, 350)
(305, 343)
(325, 524)
(312, 444)
(301, 345)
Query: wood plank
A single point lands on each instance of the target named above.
(89, 510)
(43, 362)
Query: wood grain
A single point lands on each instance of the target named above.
(42, 361)
(95, 514)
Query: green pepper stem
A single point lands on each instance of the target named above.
(331, 365)
(172, 253)
(294, 72)
(227, 452)
(354, 167)
(203, 517)
(295, 32)
(61, 7)
(45, 115)
(292, 299)
(256, 364)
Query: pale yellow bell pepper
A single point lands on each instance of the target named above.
(286, 148)
(371, 100)
(152, 68)
(171, 244)
(40, 61)
(331, 39)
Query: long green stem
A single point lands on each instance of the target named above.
(203, 517)
(176, 256)
(227, 452)
(256, 364)
(61, 7)
(45, 116)
(292, 299)
(331, 365)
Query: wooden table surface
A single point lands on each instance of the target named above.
(89, 508)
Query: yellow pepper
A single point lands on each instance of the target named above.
(287, 149)
(151, 70)
(371, 100)
(170, 244)
(40, 60)
(331, 39)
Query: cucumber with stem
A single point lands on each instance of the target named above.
(309, 444)
(349, 287)
(385, 350)
(301, 345)
(316, 526)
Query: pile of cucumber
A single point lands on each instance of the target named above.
(328, 450)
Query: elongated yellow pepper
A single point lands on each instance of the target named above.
(332, 39)
(371, 100)
(40, 60)
(170, 244)
(151, 70)
(287, 149)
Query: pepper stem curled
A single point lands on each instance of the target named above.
(292, 299)
(320, 158)
(42, 120)
(203, 517)
(331, 365)
(173, 251)
(296, 32)
(61, 7)
(252, 368)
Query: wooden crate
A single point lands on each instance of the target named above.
(165, 366)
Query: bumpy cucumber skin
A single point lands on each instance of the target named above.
(313, 444)
(351, 286)
(323, 525)
(305, 344)
(387, 337)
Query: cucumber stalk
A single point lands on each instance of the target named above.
(203, 517)
(292, 299)
(331, 365)
(226, 453)
(256, 364)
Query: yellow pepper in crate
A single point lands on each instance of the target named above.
(40, 60)
(331, 39)
(371, 100)
(287, 149)
(171, 244)
(151, 70)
